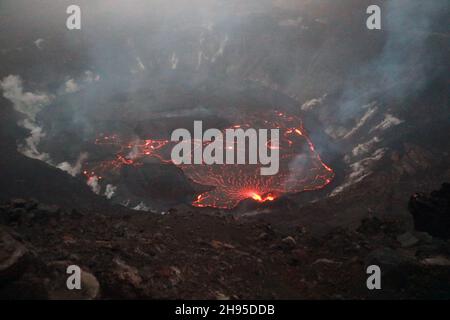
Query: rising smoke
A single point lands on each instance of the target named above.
(143, 53)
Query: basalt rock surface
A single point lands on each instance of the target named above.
(186, 254)
(431, 212)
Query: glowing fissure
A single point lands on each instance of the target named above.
(301, 168)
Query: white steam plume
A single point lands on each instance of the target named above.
(27, 103)
(110, 191)
(93, 183)
(76, 168)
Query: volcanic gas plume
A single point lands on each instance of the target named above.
(300, 168)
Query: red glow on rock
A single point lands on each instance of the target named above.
(301, 167)
(261, 198)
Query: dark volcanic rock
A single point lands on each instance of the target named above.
(384, 257)
(23, 211)
(432, 212)
(13, 257)
(157, 183)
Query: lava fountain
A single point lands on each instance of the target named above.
(300, 168)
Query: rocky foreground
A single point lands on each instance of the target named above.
(205, 256)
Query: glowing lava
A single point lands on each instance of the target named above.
(301, 168)
(260, 198)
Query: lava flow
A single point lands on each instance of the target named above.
(300, 166)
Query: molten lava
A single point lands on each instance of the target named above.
(260, 198)
(301, 168)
